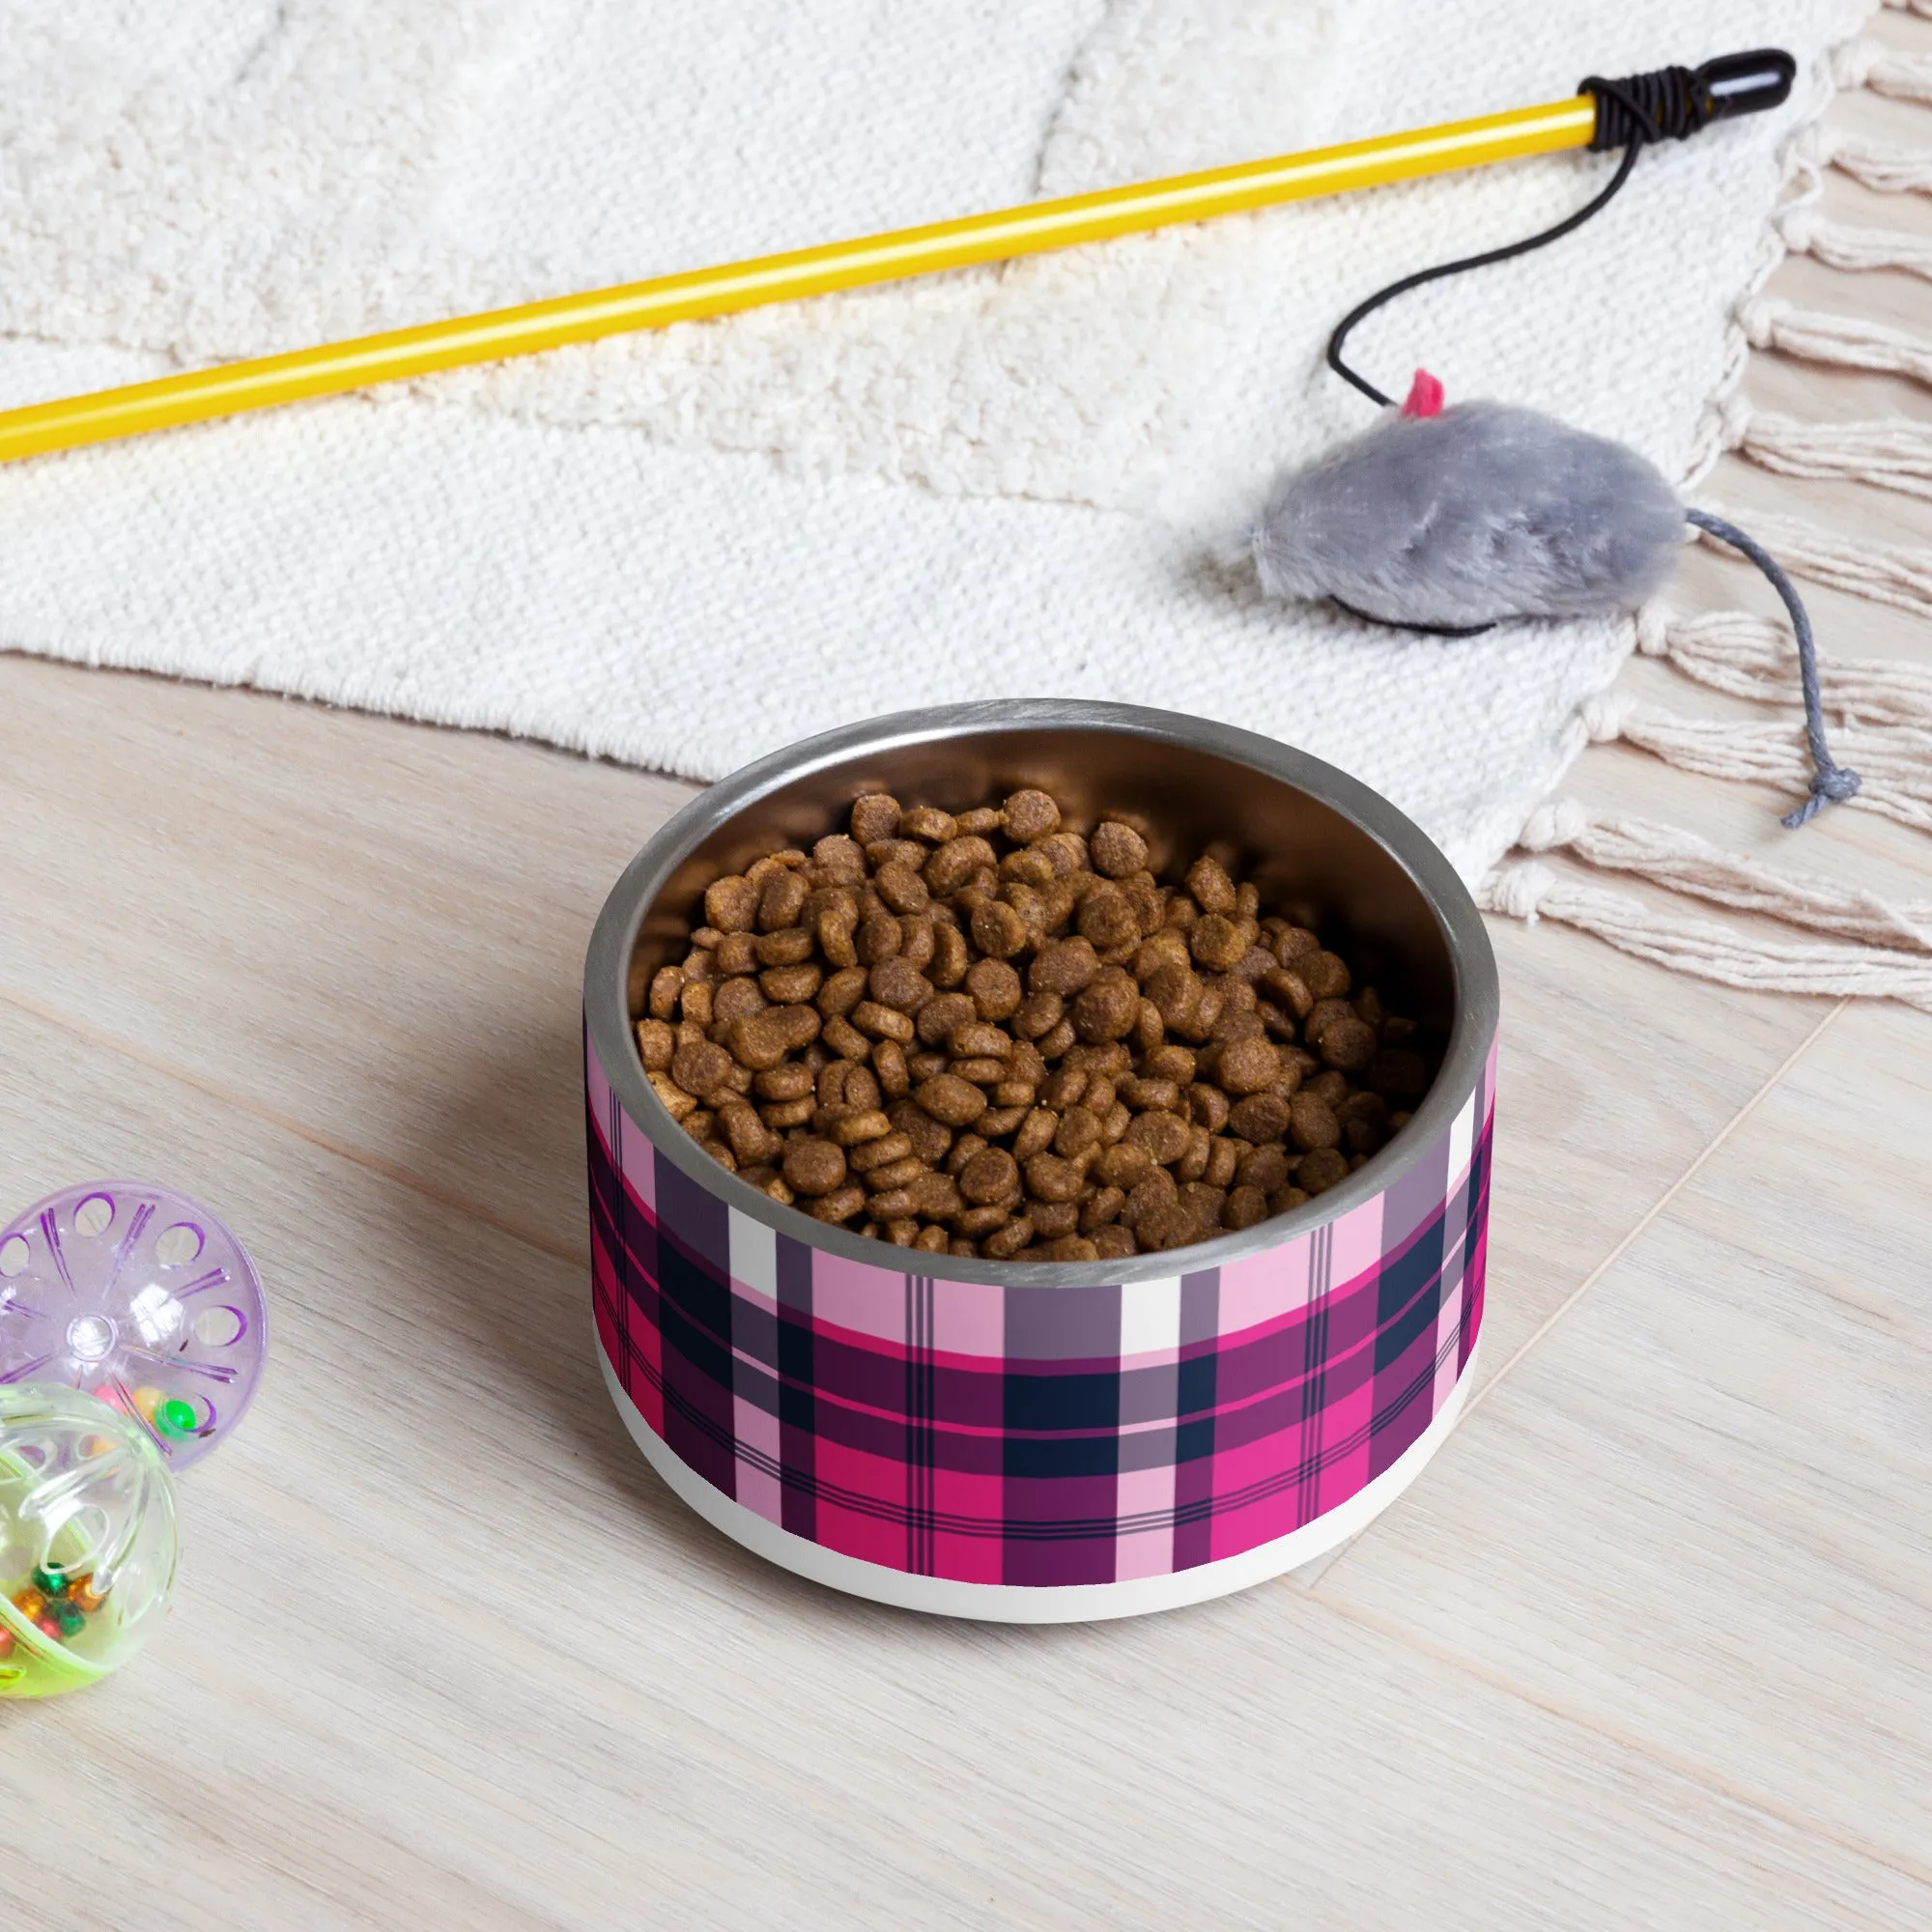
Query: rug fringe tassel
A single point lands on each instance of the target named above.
(1895, 764)
(1894, 454)
(1747, 656)
(1814, 336)
(1528, 890)
(1880, 165)
(1871, 63)
(1896, 574)
(1688, 864)
(1855, 250)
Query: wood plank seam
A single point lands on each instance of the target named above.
(1688, 1768)
(356, 1156)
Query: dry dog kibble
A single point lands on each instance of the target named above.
(995, 1034)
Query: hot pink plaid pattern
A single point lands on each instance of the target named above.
(1007, 1434)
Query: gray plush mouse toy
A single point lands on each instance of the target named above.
(1454, 519)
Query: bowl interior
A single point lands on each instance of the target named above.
(1310, 860)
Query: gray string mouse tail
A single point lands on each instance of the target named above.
(1829, 779)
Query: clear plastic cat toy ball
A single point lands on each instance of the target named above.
(87, 1539)
(132, 1337)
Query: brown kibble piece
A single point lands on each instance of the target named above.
(1261, 1116)
(1038, 1015)
(902, 889)
(1248, 1066)
(1210, 887)
(998, 929)
(789, 985)
(701, 1067)
(1072, 1248)
(1049, 1178)
(734, 1000)
(1216, 942)
(813, 1166)
(1062, 966)
(656, 1043)
(879, 937)
(1330, 1085)
(1167, 1227)
(1101, 1207)
(1243, 1207)
(666, 983)
(942, 1015)
(1320, 1170)
(1078, 1132)
(1312, 1122)
(955, 863)
(1123, 1165)
(1398, 1074)
(1265, 1168)
(951, 1100)
(995, 988)
(731, 905)
(838, 1206)
(870, 1155)
(991, 1174)
(736, 953)
(1117, 850)
(1107, 919)
(749, 1139)
(840, 994)
(950, 956)
(1028, 815)
(1036, 1134)
(882, 1022)
(1163, 1137)
(928, 823)
(1326, 975)
(875, 817)
(781, 902)
(762, 1040)
(679, 1104)
(1208, 1107)
(841, 858)
(977, 1039)
(1108, 1007)
(869, 1126)
(889, 1063)
(1114, 1242)
(1289, 989)
(896, 984)
(982, 1073)
(1223, 1157)
(1322, 1016)
(976, 1223)
(1007, 1242)
(1349, 1045)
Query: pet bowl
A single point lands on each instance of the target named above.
(1047, 1441)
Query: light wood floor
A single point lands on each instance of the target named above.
(1647, 1645)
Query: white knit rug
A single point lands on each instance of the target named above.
(688, 548)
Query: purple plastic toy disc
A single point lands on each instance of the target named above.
(140, 1296)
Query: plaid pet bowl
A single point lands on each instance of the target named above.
(1047, 1441)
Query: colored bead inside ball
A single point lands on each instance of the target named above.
(87, 1538)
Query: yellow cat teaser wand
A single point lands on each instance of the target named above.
(1738, 84)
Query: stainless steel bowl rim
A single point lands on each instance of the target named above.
(1472, 962)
